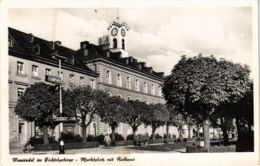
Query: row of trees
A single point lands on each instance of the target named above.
(211, 92)
(40, 104)
(201, 91)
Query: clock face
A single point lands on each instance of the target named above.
(123, 32)
(114, 31)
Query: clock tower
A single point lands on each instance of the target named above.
(117, 37)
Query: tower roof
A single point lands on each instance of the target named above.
(123, 24)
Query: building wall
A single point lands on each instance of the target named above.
(114, 90)
(25, 80)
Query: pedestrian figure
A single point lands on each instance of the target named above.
(107, 141)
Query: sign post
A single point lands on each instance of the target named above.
(58, 81)
(62, 149)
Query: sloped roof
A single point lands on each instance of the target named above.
(23, 48)
(97, 52)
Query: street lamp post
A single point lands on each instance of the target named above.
(62, 150)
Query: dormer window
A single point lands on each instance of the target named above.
(30, 37)
(72, 60)
(52, 46)
(10, 42)
(37, 49)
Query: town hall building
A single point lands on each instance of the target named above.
(107, 66)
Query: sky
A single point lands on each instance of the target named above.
(158, 36)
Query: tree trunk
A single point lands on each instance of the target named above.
(167, 130)
(45, 135)
(84, 133)
(198, 131)
(113, 128)
(189, 127)
(224, 130)
(206, 134)
(84, 127)
(238, 130)
(225, 136)
(180, 132)
(134, 133)
(153, 132)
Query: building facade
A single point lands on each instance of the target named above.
(105, 66)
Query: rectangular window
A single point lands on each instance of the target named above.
(118, 80)
(60, 75)
(108, 77)
(128, 83)
(71, 79)
(20, 92)
(92, 83)
(153, 89)
(159, 90)
(48, 72)
(10, 42)
(81, 80)
(34, 70)
(145, 87)
(137, 85)
(20, 68)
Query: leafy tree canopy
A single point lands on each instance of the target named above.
(157, 115)
(206, 82)
(82, 101)
(38, 104)
(114, 111)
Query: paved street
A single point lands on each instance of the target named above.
(102, 150)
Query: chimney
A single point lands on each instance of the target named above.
(58, 43)
(30, 37)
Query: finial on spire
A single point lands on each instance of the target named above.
(117, 15)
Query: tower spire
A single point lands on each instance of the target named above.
(117, 15)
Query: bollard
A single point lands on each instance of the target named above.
(62, 149)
